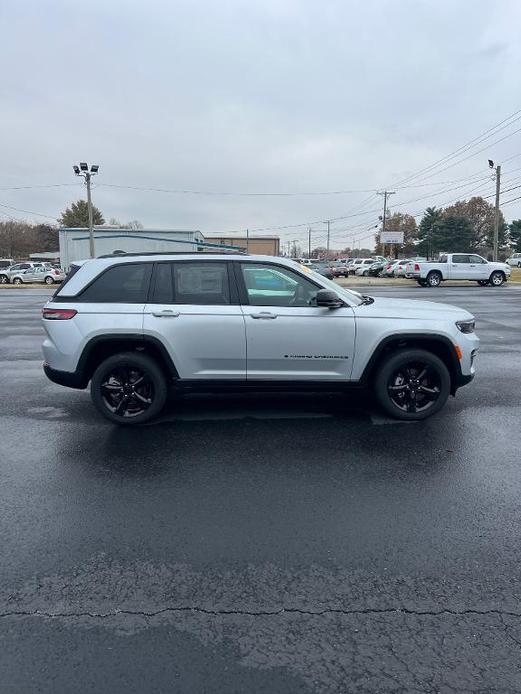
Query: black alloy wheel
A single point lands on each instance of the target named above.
(127, 391)
(129, 388)
(412, 384)
(414, 387)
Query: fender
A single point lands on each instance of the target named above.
(408, 339)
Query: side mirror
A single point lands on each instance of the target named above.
(328, 299)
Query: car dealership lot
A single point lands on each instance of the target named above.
(262, 543)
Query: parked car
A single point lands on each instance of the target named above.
(376, 268)
(400, 268)
(5, 263)
(459, 266)
(38, 274)
(514, 260)
(362, 269)
(7, 274)
(339, 268)
(206, 324)
(388, 269)
(323, 269)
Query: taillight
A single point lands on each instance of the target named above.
(58, 313)
(56, 272)
(416, 267)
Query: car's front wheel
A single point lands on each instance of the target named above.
(128, 388)
(4, 279)
(412, 384)
(497, 278)
(17, 280)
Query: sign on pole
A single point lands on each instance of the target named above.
(391, 237)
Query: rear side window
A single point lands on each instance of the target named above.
(72, 271)
(200, 283)
(465, 259)
(126, 283)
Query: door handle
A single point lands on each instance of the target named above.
(167, 313)
(264, 315)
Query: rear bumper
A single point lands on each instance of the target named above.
(70, 379)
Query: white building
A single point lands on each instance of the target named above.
(74, 242)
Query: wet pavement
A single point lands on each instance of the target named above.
(262, 543)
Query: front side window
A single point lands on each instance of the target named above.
(268, 285)
(125, 283)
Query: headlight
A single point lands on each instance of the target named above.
(466, 326)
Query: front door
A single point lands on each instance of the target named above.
(194, 310)
(288, 338)
(479, 268)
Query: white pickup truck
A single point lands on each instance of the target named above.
(458, 266)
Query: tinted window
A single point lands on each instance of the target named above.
(460, 259)
(201, 283)
(268, 285)
(126, 283)
(477, 259)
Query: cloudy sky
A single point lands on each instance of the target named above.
(251, 96)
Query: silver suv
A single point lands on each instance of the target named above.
(133, 325)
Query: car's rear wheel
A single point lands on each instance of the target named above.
(497, 278)
(17, 280)
(434, 278)
(4, 279)
(128, 388)
(49, 280)
(412, 384)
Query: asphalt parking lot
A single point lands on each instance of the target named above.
(262, 544)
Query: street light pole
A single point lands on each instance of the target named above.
(83, 170)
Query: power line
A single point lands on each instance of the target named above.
(18, 209)
(46, 185)
(465, 147)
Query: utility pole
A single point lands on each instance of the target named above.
(309, 242)
(83, 170)
(386, 194)
(247, 240)
(496, 216)
(328, 235)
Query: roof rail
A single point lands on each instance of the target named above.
(199, 254)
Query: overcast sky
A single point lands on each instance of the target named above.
(250, 96)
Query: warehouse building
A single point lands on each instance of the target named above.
(257, 245)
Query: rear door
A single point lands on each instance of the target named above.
(288, 338)
(193, 309)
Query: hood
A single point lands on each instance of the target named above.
(411, 308)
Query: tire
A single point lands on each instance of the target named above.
(483, 283)
(434, 278)
(365, 273)
(49, 280)
(17, 280)
(114, 382)
(4, 279)
(404, 393)
(497, 278)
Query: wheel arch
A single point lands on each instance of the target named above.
(103, 346)
(439, 345)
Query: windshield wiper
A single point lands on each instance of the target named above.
(366, 300)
